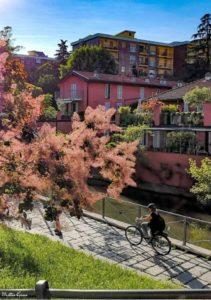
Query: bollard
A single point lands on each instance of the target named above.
(42, 289)
(139, 211)
(103, 208)
(185, 227)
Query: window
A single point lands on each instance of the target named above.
(123, 45)
(38, 60)
(152, 63)
(152, 50)
(132, 48)
(132, 59)
(141, 48)
(119, 92)
(73, 90)
(107, 91)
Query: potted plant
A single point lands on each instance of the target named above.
(200, 97)
(169, 112)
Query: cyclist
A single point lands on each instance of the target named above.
(152, 222)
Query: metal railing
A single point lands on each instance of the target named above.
(42, 291)
(186, 230)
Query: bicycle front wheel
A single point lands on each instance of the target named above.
(161, 244)
(134, 235)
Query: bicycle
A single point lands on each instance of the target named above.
(159, 240)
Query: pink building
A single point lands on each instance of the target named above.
(175, 138)
(80, 89)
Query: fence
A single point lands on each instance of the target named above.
(42, 291)
(189, 231)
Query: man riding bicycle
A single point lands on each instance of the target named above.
(153, 222)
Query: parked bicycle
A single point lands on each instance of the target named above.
(159, 240)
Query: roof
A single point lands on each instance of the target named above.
(108, 78)
(179, 92)
(109, 36)
(34, 57)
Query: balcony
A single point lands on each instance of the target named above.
(179, 141)
(181, 119)
(165, 54)
(163, 66)
(75, 95)
(152, 64)
(143, 63)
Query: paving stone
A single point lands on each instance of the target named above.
(155, 270)
(147, 263)
(197, 271)
(187, 265)
(171, 273)
(140, 267)
(206, 277)
(184, 277)
(196, 284)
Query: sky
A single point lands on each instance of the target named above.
(40, 24)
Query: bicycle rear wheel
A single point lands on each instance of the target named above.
(134, 235)
(161, 244)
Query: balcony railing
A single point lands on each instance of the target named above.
(182, 119)
(75, 95)
(165, 66)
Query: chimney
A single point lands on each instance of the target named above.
(96, 74)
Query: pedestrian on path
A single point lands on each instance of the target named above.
(57, 223)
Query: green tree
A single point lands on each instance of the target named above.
(199, 51)
(47, 77)
(202, 39)
(48, 109)
(197, 96)
(6, 35)
(62, 53)
(202, 176)
(90, 59)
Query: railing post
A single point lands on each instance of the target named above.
(139, 211)
(42, 289)
(185, 227)
(103, 208)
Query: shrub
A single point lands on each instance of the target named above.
(197, 96)
(169, 108)
(180, 141)
(150, 105)
(202, 177)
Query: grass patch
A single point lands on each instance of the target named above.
(26, 258)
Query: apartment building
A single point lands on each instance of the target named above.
(33, 60)
(153, 59)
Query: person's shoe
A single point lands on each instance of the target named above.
(57, 232)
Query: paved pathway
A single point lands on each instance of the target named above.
(108, 242)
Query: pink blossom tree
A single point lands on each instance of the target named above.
(40, 162)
